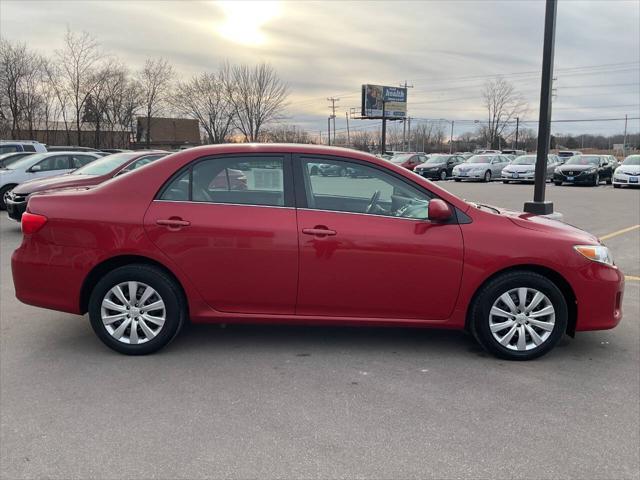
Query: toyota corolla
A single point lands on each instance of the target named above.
(180, 241)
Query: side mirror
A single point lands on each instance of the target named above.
(439, 211)
(35, 168)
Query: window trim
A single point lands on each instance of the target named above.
(287, 179)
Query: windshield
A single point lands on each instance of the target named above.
(26, 162)
(479, 159)
(525, 160)
(438, 159)
(632, 160)
(400, 158)
(105, 164)
(583, 160)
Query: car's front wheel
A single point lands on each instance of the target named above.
(487, 176)
(3, 191)
(443, 175)
(519, 315)
(136, 309)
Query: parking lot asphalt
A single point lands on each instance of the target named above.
(284, 402)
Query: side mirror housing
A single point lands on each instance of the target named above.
(35, 168)
(439, 211)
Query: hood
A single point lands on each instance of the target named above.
(520, 168)
(629, 169)
(430, 165)
(59, 181)
(470, 166)
(576, 168)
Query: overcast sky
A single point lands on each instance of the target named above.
(445, 49)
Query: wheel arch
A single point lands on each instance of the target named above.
(552, 275)
(112, 263)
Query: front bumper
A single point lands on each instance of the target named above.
(16, 205)
(599, 291)
(626, 179)
(431, 174)
(577, 178)
(518, 176)
(469, 175)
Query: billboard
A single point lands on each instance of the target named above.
(394, 98)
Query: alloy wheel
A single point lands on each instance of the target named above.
(133, 312)
(522, 319)
(487, 176)
(443, 175)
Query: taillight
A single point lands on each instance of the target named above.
(32, 222)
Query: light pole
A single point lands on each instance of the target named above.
(539, 206)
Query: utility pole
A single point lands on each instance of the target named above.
(333, 101)
(404, 121)
(624, 141)
(451, 138)
(329, 130)
(539, 206)
(409, 132)
(383, 140)
(346, 114)
(517, 127)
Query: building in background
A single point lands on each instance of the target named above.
(58, 133)
(167, 133)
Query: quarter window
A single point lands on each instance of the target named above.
(343, 186)
(237, 180)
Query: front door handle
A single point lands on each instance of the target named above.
(173, 223)
(319, 230)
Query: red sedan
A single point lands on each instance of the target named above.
(91, 174)
(174, 241)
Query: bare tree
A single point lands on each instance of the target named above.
(257, 95)
(204, 98)
(288, 134)
(19, 71)
(78, 61)
(154, 81)
(503, 104)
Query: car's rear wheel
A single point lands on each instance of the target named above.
(457, 179)
(616, 185)
(557, 184)
(136, 309)
(505, 182)
(487, 176)
(519, 315)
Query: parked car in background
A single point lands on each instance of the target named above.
(40, 165)
(567, 154)
(584, 169)
(408, 160)
(115, 150)
(628, 173)
(8, 146)
(482, 152)
(515, 153)
(58, 148)
(613, 161)
(523, 168)
(438, 166)
(148, 251)
(8, 158)
(483, 167)
(93, 173)
(465, 155)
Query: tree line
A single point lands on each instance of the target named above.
(80, 84)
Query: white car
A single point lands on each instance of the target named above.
(40, 165)
(628, 173)
(8, 146)
(484, 167)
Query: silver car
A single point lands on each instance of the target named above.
(485, 168)
(40, 165)
(523, 169)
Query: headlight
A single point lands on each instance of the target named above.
(596, 253)
(557, 170)
(591, 170)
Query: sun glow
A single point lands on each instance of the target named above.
(243, 20)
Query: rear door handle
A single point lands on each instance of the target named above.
(173, 223)
(318, 230)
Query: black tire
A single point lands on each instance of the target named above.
(506, 182)
(3, 190)
(487, 176)
(596, 180)
(557, 184)
(615, 185)
(443, 175)
(609, 181)
(457, 179)
(343, 172)
(167, 289)
(479, 316)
